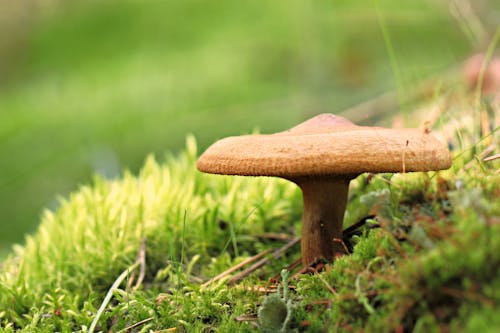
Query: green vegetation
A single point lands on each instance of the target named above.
(433, 263)
(100, 84)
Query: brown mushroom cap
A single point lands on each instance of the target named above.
(326, 145)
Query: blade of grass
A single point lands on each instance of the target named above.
(108, 296)
(392, 57)
(232, 238)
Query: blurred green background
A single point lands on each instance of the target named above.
(95, 86)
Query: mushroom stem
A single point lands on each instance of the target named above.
(325, 200)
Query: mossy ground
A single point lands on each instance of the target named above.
(433, 265)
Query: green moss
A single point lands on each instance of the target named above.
(81, 248)
(432, 264)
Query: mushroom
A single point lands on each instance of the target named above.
(322, 155)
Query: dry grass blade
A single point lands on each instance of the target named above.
(276, 254)
(491, 158)
(139, 323)
(290, 268)
(276, 236)
(108, 296)
(341, 242)
(461, 294)
(141, 259)
(261, 289)
(327, 285)
(482, 156)
(246, 318)
(486, 152)
(235, 268)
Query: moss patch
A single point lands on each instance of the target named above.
(433, 265)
